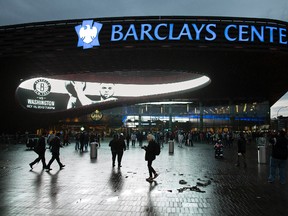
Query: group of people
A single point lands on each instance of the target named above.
(40, 148)
(83, 139)
(118, 146)
(278, 158)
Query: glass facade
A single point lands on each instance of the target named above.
(183, 115)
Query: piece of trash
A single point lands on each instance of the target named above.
(204, 184)
(194, 188)
(169, 191)
(182, 182)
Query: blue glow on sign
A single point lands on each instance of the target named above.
(246, 33)
(188, 31)
(88, 34)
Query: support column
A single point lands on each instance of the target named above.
(201, 126)
(232, 115)
(170, 117)
(139, 117)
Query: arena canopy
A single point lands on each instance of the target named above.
(245, 59)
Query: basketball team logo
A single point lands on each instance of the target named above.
(88, 34)
(42, 87)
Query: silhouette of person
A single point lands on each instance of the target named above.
(150, 156)
(118, 147)
(40, 149)
(278, 158)
(55, 149)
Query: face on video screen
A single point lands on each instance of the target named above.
(106, 90)
(51, 95)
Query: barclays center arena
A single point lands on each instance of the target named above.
(144, 73)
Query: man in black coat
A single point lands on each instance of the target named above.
(40, 149)
(118, 147)
(55, 149)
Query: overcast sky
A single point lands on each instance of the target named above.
(27, 11)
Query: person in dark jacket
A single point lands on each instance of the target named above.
(150, 156)
(40, 149)
(241, 150)
(278, 158)
(121, 149)
(55, 149)
(118, 147)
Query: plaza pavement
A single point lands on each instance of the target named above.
(92, 187)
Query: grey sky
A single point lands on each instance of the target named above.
(26, 11)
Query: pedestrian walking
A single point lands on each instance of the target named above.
(50, 137)
(40, 149)
(190, 139)
(133, 139)
(77, 141)
(118, 147)
(55, 149)
(241, 150)
(121, 148)
(278, 158)
(180, 139)
(128, 140)
(150, 156)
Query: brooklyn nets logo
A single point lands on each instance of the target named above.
(42, 87)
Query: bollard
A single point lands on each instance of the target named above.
(93, 150)
(261, 154)
(171, 146)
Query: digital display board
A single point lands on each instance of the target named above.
(52, 95)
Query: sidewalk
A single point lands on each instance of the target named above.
(93, 187)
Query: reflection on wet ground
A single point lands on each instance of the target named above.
(191, 182)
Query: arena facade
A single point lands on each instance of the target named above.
(245, 60)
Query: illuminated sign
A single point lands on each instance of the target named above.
(88, 34)
(42, 87)
(205, 31)
(96, 115)
(148, 32)
(52, 95)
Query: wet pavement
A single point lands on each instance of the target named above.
(191, 182)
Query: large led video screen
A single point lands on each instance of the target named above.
(53, 95)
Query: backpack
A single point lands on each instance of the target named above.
(157, 149)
